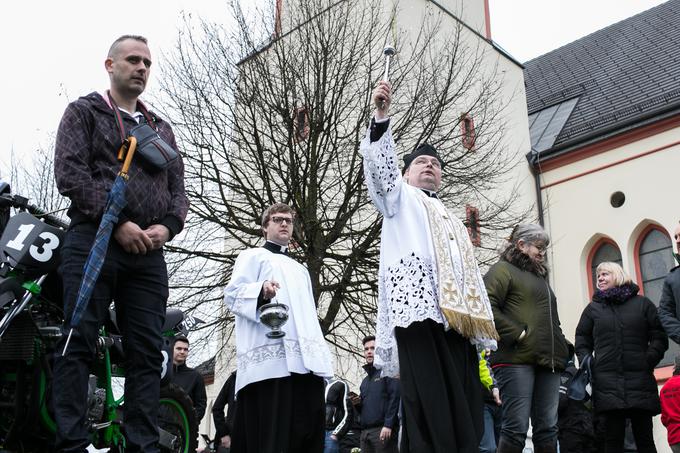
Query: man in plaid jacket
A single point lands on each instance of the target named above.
(134, 272)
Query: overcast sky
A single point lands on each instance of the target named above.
(530, 28)
(54, 51)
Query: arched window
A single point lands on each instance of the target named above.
(604, 250)
(653, 260)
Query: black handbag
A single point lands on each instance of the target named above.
(579, 388)
(155, 154)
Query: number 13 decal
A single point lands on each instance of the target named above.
(43, 253)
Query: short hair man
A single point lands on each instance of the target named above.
(134, 271)
(432, 303)
(669, 305)
(188, 378)
(379, 406)
(279, 383)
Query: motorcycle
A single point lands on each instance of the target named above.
(31, 316)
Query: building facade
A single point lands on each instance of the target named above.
(604, 118)
(468, 22)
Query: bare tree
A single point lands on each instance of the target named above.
(34, 179)
(264, 119)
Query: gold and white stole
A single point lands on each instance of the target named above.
(466, 309)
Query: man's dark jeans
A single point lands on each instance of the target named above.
(493, 418)
(139, 286)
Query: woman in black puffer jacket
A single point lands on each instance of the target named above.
(623, 333)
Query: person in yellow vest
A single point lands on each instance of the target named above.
(492, 405)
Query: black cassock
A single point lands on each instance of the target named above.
(441, 394)
(282, 415)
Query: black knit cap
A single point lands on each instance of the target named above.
(422, 150)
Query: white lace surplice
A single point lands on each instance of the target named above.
(407, 278)
(303, 348)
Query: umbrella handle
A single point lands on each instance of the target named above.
(129, 146)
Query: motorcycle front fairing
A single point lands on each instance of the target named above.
(29, 245)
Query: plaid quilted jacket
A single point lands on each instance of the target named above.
(86, 164)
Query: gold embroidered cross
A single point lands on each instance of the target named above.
(449, 290)
(473, 296)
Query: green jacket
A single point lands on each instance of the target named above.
(522, 301)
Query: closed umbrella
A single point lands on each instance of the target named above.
(95, 260)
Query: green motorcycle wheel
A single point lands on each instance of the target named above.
(176, 417)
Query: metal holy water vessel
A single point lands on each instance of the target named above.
(388, 52)
(274, 315)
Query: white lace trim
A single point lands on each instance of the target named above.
(381, 168)
(305, 348)
(408, 293)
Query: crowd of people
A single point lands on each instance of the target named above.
(460, 361)
(464, 362)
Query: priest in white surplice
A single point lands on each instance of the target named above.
(432, 304)
(280, 382)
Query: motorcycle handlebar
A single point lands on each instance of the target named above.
(21, 203)
(50, 219)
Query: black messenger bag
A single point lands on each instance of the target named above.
(154, 153)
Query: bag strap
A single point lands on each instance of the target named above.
(147, 116)
(119, 118)
(587, 364)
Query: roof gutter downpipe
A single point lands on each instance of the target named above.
(532, 158)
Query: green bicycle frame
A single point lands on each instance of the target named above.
(109, 435)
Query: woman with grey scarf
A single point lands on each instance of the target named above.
(532, 351)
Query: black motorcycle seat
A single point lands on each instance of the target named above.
(173, 317)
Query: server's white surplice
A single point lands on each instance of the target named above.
(303, 348)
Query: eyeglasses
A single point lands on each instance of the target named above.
(541, 248)
(279, 220)
(424, 161)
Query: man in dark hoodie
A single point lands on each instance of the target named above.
(379, 407)
(134, 272)
(189, 379)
